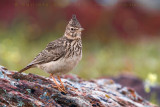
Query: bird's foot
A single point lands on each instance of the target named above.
(63, 88)
(60, 88)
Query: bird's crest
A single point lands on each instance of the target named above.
(74, 22)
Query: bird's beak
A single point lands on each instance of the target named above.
(81, 29)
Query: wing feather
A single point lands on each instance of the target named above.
(54, 51)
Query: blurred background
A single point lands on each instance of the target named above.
(120, 37)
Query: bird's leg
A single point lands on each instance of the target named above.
(57, 85)
(61, 83)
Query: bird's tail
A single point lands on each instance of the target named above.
(27, 67)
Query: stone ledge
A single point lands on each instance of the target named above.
(31, 90)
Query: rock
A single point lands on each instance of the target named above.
(139, 86)
(30, 90)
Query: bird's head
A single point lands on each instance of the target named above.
(73, 29)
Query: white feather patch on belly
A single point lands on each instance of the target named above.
(60, 66)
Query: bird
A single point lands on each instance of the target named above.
(61, 55)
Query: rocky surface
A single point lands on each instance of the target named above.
(29, 90)
(139, 86)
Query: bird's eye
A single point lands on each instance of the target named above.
(72, 29)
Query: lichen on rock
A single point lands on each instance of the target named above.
(31, 90)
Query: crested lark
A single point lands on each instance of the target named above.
(62, 55)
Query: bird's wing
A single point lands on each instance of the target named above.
(54, 51)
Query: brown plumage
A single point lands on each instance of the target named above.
(24, 69)
(62, 55)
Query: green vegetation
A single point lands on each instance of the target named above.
(99, 59)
